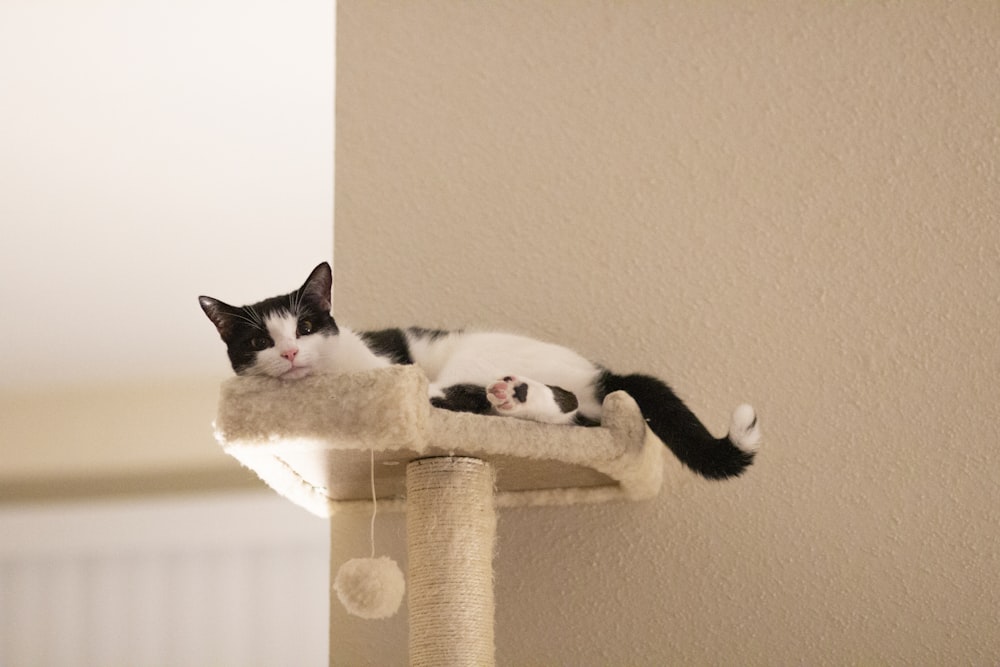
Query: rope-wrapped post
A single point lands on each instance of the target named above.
(451, 530)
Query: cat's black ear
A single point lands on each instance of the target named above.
(221, 314)
(318, 286)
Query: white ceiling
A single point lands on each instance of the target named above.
(151, 152)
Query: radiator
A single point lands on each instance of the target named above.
(235, 579)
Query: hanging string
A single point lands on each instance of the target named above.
(370, 587)
(374, 503)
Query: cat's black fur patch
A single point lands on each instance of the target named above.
(678, 427)
(429, 334)
(241, 351)
(521, 392)
(389, 343)
(464, 398)
(566, 400)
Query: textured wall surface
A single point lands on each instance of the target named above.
(792, 204)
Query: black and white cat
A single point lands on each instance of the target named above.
(295, 335)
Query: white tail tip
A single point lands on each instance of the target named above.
(744, 431)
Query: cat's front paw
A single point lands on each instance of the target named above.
(528, 399)
(508, 394)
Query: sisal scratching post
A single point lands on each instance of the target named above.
(451, 530)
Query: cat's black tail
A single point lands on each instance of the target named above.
(681, 431)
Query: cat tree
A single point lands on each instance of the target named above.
(313, 441)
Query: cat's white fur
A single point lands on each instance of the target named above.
(469, 357)
(483, 358)
(312, 354)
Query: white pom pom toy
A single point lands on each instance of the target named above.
(370, 587)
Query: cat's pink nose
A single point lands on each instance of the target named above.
(290, 353)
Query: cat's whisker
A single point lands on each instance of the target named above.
(251, 322)
(255, 316)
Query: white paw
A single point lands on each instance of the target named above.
(508, 394)
(528, 399)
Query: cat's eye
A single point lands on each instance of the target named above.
(259, 343)
(305, 327)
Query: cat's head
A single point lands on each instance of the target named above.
(280, 337)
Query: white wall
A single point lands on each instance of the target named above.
(150, 153)
(153, 152)
(793, 204)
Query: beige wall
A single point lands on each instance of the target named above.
(793, 204)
